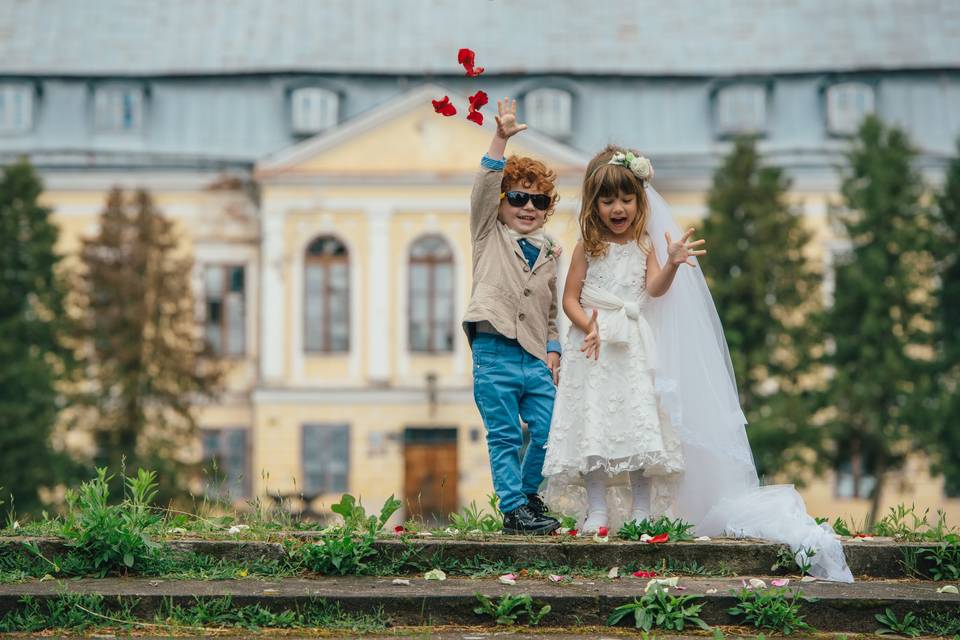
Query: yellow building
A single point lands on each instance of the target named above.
(335, 296)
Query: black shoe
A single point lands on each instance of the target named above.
(525, 521)
(535, 502)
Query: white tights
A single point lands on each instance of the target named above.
(596, 484)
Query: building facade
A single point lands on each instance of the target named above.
(325, 203)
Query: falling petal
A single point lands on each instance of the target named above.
(435, 574)
(757, 583)
(711, 591)
(508, 579)
(948, 588)
(614, 572)
(401, 582)
(556, 578)
(780, 582)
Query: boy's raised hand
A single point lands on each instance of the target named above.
(591, 344)
(506, 117)
(679, 252)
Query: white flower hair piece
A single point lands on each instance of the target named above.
(638, 165)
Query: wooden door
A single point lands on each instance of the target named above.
(430, 474)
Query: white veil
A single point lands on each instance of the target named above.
(720, 492)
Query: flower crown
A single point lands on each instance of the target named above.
(638, 165)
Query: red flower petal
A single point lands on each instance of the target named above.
(466, 57)
(663, 537)
(475, 116)
(572, 532)
(399, 529)
(602, 532)
(477, 100)
(645, 574)
(443, 107)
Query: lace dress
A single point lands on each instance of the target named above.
(608, 413)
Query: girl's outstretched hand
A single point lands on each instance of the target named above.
(591, 344)
(679, 252)
(506, 117)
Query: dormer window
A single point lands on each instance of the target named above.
(848, 103)
(313, 109)
(118, 109)
(741, 110)
(549, 111)
(16, 108)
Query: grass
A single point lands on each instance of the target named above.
(84, 612)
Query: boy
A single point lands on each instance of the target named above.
(511, 321)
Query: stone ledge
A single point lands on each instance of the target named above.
(879, 558)
(834, 607)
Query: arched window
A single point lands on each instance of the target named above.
(431, 321)
(326, 320)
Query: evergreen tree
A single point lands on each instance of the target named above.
(944, 448)
(766, 292)
(146, 358)
(33, 324)
(878, 325)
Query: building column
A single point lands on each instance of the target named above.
(379, 329)
(272, 316)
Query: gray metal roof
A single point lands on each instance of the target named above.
(636, 37)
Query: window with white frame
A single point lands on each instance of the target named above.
(325, 458)
(313, 109)
(226, 460)
(225, 306)
(118, 109)
(741, 109)
(16, 108)
(326, 309)
(848, 103)
(431, 321)
(549, 111)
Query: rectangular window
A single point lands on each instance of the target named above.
(118, 109)
(742, 110)
(848, 104)
(16, 108)
(313, 109)
(225, 305)
(847, 486)
(549, 111)
(226, 463)
(325, 458)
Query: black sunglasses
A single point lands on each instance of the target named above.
(520, 198)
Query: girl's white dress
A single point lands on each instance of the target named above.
(608, 413)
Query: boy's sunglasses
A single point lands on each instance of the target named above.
(520, 198)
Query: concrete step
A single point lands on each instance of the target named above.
(832, 606)
(876, 558)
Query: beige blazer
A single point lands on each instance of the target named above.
(518, 301)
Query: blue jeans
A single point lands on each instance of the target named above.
(510, 384)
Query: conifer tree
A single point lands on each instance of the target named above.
(34, 359)
(768, 299)
(146, 360)
(944, 446)
(878, 326)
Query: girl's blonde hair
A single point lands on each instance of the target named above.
(607, 180)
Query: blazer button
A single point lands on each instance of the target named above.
(526, 292)
(521, 317)
(526, 269)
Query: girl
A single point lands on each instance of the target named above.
(647, 419)
(608, 429)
